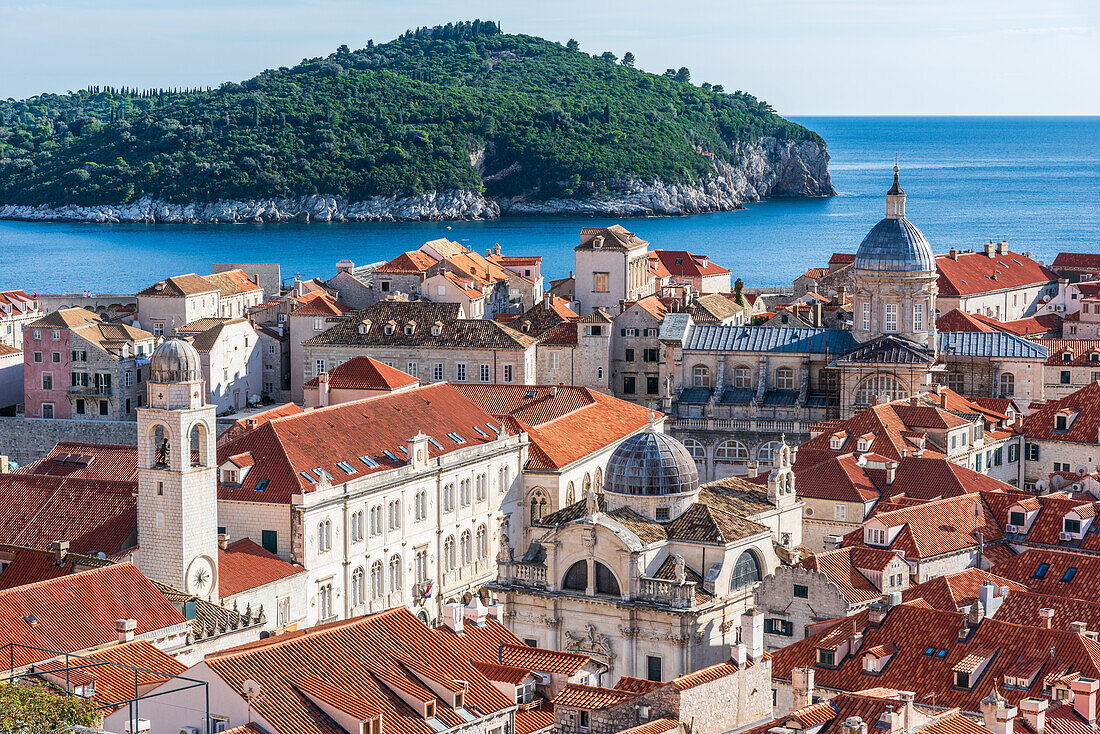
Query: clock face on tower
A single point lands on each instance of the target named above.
(201, 577)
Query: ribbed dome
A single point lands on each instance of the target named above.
(175, 360)
(651, 463)
(895, 245)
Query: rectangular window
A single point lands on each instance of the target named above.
(582, 720)
(554, 360)
(629, 355)
(104, 407)
(1013, 453)
(652, 385)
(599, 282)
(47, 382)
(47, 410)
(507, 373)
(866, 316)
(1032, 451)
(437, 371)
(484, 373)
(460, 372)
(80, 406)
(269, 540)
(653, 668)
(629, 384)
(840, 512)
(410, 368)
(57, 357)
(1065, 377)
(779, 627)
(1070, 525)
(318, 367)
(998, 456)
(129, 378)
(891, 317)
(649, 355)
(282, 619)
(918, 317)
(38, 356)
(802, 591)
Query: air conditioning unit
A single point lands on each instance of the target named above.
(1065, 536)
(1012, 528)
(1059, 307)
(544, 679)
(189, 730)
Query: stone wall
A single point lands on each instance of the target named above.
(25, 439)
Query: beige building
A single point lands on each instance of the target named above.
(994, 282)
(170, 303)
(612, 265)
(576, 353)
(650, 577)
(17, 309)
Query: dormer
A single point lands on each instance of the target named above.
(410, 328)
(364, 326)
(413, 695)
(1076, 522)
(877, 533)
(390, 327)
(234, 469)
(876, 658)
(865, 442)
(1067, 356)
(837, 440)
(450, 691)
(968, 671)
(1021, 515)
(1064, 418)
(351, 713)
(437, 328)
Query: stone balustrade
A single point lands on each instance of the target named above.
(666, 592)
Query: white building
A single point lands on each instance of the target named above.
(232, 361)
(612, 266)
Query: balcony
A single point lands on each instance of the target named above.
(666, 593)
(518, 573)
(90, 390)
(741, 424)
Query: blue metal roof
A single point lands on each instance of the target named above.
(987, 344)
(695, 396)
(728, 338)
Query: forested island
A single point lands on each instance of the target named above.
(455, 121)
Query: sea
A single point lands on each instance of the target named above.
(1034, 181)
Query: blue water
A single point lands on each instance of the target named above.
(1033, 181)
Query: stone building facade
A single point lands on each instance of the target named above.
(612, 265)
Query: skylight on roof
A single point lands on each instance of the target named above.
(1041, 571)
(435, 443)
(403, 450)
(481, 433)
(389, 455)
(456, 438)
(348, 468)
(261, 485)
(321, 473)
(1069, 574)
(369, 461)
(530, 394)
(492, 428)
(308, 477)
(941, 654)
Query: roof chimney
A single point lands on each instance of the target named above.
(990, 249)
(125, 629)
(802, 685)
(752, 633)
(60, 550)
(1046, 618)
(853, 725)
(1084, 698)
(1078, 627)
(1034, 711)
(954, 254)
(891, 471)
(739, 655)
(322, 390)
(1002, 247)
(452, 617)
(998, 716)
(223, 540)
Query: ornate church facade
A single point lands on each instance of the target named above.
(652, 575)
(732, 391)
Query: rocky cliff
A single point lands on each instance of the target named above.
(767, 168)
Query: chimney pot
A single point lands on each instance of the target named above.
(1084, 698)
(125, 629)
(752, 633)
(802, 685)
(223, 540)
(60, 550)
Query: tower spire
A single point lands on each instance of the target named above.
(895, 197)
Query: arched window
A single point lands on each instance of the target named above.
(377, 582)
(784, 378)
(731, 450)
(746, 571)
(197, 444)
(324, 602)
(764, 453)
(1008, 385)
(598, 479)
(539, 504)
(467, 549)
(449, 553)
(159, 448)
(396, 575)
(482, 542)
(878, 386)
(587, 482)
(576, 579)
(695, 449)
(570, 494)
(357, 587)
(742, 377)
(324, 536)
(700, 376)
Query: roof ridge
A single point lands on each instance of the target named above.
(56, 579)
(309, 632)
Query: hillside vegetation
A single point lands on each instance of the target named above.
(453, 107)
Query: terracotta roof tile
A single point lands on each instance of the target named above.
(838, 567)
(535, 718)
(1084, 409)
(179, 286)
(1080, 584)
(681, 263)
(502, 673)
(955, 591)
(590, 698)
(1076, 260)
(243, 565)
(975, 272)
(656, 726)
(936, 527)
(365, 373)
(541, 660)
(79, 460)
(410, 262)
(92, 515)
(323, 305)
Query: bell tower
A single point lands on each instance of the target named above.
(177, 504)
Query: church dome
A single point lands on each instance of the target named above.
(175, 360)
(651, 463)
(895, 245)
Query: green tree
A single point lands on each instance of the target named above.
(572, 45)
(683, 75)
(739, 292)
(628, 59)
(608, 56)
(36, 708)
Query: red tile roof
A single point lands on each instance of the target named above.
(1085, 427)
(1076, 260)
(975, 272)
(535, 717)
(365, 373)
(957, 590)
(564, 423)
(541, 660)
(244, 425)
(1082, 585)
(681, 263)
(1022, 607)
(842, 258)
(93, 515)
(243, 565)
(706, 675)
(936, 527)
(1080, 351)
(31, 565)
(78, 460)
(502, 673)
(413, 261)
(76, 612)
(915, 631)
(361, 657)
(285, 447)
(838, 567)
(323, 305)
(590, 698)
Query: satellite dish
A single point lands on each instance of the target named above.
(251, 688)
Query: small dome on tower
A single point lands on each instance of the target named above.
(175, 360)
(651, 463)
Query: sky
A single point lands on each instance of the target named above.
(805, 57)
